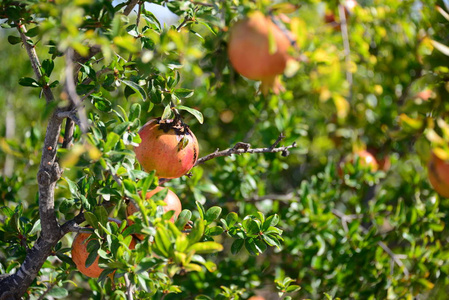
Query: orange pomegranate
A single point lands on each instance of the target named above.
(249, 50)
(172, 201)
(366, 160)
(439, 175)
(80, 254)
(168, 146)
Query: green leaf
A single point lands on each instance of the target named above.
(137, 88)
(167, 114)
(36, 227)
(28, 81)
(270, 221)
(58, 292)
(237, 246)
(197, 232)
(213, 231)
(14, 39)
(103, 104)
(162, 241)
(48, 66)
(134, 112)
(101, 214)
(206, 247)
(197, 114)
(32, 32)
(253, 227)
(293, 288)
(213, 214)
(183, 93)
(91, 219)
(231, 219)
(183, 218)
(200, 209)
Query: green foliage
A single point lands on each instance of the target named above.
(302, 226)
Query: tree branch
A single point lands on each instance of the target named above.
(35, 63)
(347, 50)
(130, 6)
(129, 287)
(70, 89)
(241, 148)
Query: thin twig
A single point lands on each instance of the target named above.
(184, 22)
(347, 50)
(49, 288)
(70, 89)
(71, 114)
(129, 7)
(240, 150)
(129, 287)
(282, 197)
(35, 63)
(139, 11)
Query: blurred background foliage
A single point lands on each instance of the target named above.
(360, 235)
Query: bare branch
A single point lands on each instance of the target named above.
(129, 287)
(345, 36)
(35, 63)
(239, 149)
(71, 114)
(49, 288)
(70, 89)
(130, 6)
(282, 197)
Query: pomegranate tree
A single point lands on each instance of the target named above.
(258, 50)
(168, 146)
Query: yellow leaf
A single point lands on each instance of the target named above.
(441, 153)
(342, 106)
(434, 137)
(414, 124)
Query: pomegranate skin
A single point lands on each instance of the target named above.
(170, 149)
(439, 175)
(248, 49)
(80, 253)
(366, 160)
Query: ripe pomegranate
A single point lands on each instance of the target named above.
(256, 298)
(249, 50)
(439, 175)
(168, 146)
(172, 201)
(80, 253)
(384, 162)
(366, 160)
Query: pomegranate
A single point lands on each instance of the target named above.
(172, 201)
(168, 146)
(249, 50)
(366, 160)
(80, 253)
(439, 175)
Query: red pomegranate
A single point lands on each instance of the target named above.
(439, 175)
(80, 253)
(366, 160)
(249, 50)
(167, 146)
